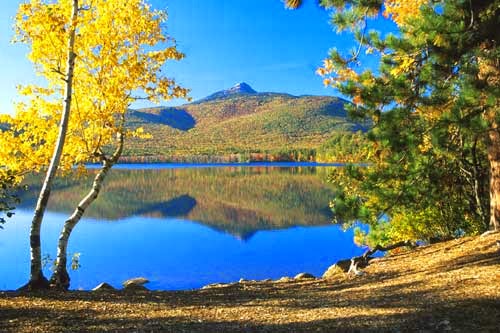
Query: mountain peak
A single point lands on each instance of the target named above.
(242, 88)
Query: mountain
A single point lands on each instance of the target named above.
(239, 124)
(241, 88)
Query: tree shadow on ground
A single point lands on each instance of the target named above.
(466, 316)
(485, 259)
(42, 319)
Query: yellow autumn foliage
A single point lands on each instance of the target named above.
(401, 11)
(120, 51)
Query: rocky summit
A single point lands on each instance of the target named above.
(241, 88)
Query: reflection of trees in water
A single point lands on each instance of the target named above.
(234, 199)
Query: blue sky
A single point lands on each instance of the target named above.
(225, 41)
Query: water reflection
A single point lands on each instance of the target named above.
(185, 228)
(237, 200)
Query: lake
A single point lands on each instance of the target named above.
(186, 226)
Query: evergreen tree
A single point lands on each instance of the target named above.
(434, 168)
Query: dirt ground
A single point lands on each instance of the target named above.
(450, 286)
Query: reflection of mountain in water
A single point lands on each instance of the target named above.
(176, 207)
(240, 201)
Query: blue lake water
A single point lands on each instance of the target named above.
(185, 227)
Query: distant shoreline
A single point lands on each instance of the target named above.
(177, 165)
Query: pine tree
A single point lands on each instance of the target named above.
(434, 167)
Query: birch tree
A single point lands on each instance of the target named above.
(97, 57)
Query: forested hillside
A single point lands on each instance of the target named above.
(240, 124)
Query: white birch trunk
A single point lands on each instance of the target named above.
(37, 279)
(60, 278)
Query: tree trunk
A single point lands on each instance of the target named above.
(479, 186)
(60, 278)
(37, 279)
(364, 260)
(353, 264)
(494, 159)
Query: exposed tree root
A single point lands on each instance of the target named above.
(60, 280)
(489, 232)
(40, 283)
(354, 265)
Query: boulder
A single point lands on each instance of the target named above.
(304, 276)
(138, 281)
(284, 279)
(135, 287)
(333, 271)
(218, 285)
(104, 287)
(344, 265)
(212, 285)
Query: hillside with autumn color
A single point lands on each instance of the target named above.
(240, 124)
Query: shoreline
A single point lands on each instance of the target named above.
(448, 286)
(180, 165)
